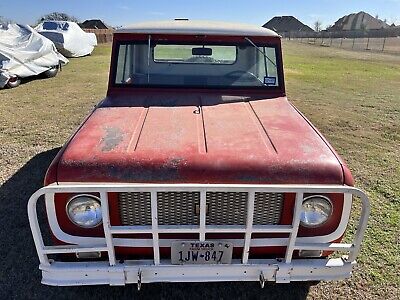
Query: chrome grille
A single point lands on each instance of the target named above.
(135, 208)
(226, 208)
(178, 208)
(182, 208)
(267, 208)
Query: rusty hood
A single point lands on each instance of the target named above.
(198, 139)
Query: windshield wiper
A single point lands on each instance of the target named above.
(258, 48)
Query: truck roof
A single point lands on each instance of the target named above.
(189, 27)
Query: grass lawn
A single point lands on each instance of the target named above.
(354, 100)
(352, 97)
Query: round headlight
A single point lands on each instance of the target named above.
(316, 211)
(84, 211)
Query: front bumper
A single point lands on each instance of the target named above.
(138, 272)
(113, 272)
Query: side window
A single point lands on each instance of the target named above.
(121, 64)
(272, 70)
(125, 65)
(267, 67)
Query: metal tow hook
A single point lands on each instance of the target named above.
(139, 280)
(262, 280)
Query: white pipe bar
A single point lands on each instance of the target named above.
(154, 226)
(195, 228)
(295, 225)
(155, 229)
(273, 188)
(73, 249)
(130, 229)
(272, 228)
(249, 226)
(225, 228)
(324, 247)
(203, 212)
(362, 226)
(106, 226)
(35, 228)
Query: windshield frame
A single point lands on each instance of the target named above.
(207, 40)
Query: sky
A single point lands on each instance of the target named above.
(258, 12)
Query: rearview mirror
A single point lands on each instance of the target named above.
(202, 51)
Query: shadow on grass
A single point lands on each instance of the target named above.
(20, 277)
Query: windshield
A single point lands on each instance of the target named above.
(197, 65)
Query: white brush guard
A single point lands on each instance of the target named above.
(280, 270)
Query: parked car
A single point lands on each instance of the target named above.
(196, 167)
(25, 53)
(68, 37)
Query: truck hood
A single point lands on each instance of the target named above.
(198, 139)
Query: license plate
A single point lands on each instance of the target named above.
(195, 252)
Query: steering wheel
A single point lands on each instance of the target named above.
(244, 75)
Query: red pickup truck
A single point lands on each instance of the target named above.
(196, 168)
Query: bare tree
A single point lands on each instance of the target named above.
(4, 22)
(393, 21)
(318, 26)
(57, 16)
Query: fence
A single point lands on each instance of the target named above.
(384, 40)
(373, 33)
(103, 35)
(385, 44)
(356, 40)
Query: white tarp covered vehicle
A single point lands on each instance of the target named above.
(68, 37)
(24, 53)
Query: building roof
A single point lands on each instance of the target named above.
(358, 21)
(184, 26)
(286, 24)
(93, 24)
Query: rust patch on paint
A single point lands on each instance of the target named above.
(111, 140)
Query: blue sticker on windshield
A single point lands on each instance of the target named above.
(269, 80)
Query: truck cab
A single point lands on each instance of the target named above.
(196, 167)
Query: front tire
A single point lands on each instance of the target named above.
(13, 82)
(51, 72)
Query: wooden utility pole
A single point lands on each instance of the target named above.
(384, 43)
